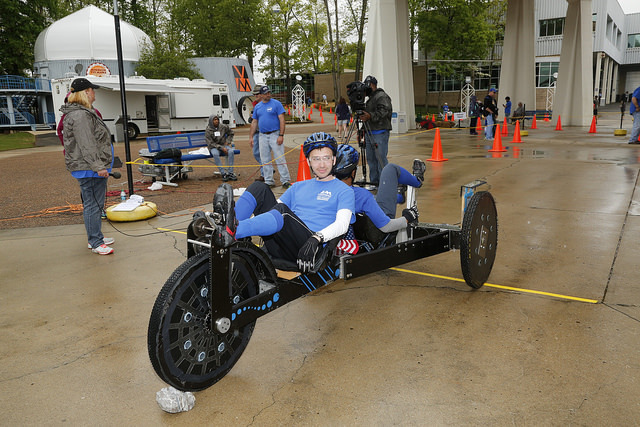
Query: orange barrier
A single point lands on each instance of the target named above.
(516, 132)
(497, 142)
(304, 172)
(559, 124)
(436, 153)
(592, 129)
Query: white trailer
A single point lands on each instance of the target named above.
(156, 106)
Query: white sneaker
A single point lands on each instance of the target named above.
(102, 250)
(105, 240)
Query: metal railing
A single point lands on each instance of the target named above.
(9, 82)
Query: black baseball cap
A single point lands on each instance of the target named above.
(80, 84)
(264, 89)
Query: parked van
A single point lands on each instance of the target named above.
(153, 105)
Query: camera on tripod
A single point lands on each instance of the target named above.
(357, 92)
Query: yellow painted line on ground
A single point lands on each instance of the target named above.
(170, 230)
(508, 288)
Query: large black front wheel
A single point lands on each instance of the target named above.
(479, 239)
(185, 351)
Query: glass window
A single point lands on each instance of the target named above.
(216, 100)
(225, 101)
(594, 18)
(633, 40)
(545, 72)
(551, 27)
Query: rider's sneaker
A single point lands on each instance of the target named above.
(106, 240)
(224, 207)
(419, 167)
(102, 250)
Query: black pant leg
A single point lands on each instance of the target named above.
(286, 243)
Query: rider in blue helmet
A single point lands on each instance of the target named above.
(307, 215)
(381, 209)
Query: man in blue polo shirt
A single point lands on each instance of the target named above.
(635, 112)
(268, 119)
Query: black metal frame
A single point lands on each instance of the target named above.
(428, 240)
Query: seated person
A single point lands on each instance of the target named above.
(219, 139)
(307, 215)
(381, 209)
(519, 113)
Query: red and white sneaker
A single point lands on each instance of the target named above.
(107, 241)
(102, 250)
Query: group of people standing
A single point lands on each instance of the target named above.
(89, 153)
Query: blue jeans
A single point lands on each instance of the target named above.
(635, 131)
(488, 129)
(216, 159)
(256, 150)
(377, 149)
(93, 192)
(268, 144)
(387, 196)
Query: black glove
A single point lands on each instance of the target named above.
(307, 254)
(411, 214)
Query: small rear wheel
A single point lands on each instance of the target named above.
(479, 239)
(185, 350)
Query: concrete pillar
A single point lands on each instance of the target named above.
(596, 85)
(573, 100)
(605, 79)
(518, 72)
(387, 55)
(10, 111)
(614, 83)
(611, 89)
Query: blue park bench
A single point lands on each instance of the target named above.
(176, 164)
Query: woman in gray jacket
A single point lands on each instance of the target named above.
(89, 158)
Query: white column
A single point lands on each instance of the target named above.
(596, 85)
(387, 55)
(614, 83)
(605, 79)
(573, 100)
(518, 71)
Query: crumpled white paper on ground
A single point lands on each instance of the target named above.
(173, 400)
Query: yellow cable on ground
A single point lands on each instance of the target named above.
(509, 288)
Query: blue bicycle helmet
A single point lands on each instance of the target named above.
(347, 161)
(319, 140)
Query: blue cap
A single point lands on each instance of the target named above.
(264, 89)
(493, 89)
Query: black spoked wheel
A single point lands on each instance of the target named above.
(479, 239)
(185, 351)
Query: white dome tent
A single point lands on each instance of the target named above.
(83, 38)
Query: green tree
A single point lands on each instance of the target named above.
(456, 29)
(160, 62)
(20, 24)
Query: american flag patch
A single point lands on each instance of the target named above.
(348, 244)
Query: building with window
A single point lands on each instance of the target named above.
(615, 57)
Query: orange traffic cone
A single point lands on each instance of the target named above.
(592, 129)
(497, 142)
(505, 129)
(330, 112)
(433, 118)
(516, 132)
(335, 120)
(304, 172)
(321, 118)
(288, 111)
(546, 117)
(534, 124)
(479, 125)
(559, 124)
(436, 153)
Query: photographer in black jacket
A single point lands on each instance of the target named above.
(377, 116)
